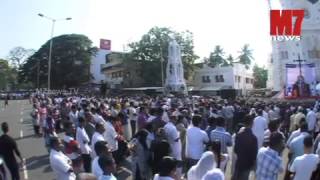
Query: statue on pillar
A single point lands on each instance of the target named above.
(301, 88)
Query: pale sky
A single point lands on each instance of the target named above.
(229, 23)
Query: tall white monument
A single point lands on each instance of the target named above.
(174, 77)
(308, 48)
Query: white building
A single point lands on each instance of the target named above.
(287, 51)
(95, 68)
(231, 77)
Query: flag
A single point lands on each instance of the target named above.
(105, 44)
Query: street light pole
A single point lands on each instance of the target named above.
(51, 42)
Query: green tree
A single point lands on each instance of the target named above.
(216, 57)
(71, 55)
(153, 47)
(230, 60)
(260, 75)
(18, 55)
(8, 75)
(245, 56)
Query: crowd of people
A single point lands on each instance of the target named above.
(167, 138)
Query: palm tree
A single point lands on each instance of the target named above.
(230, 60)
(245, 56)
(216, 57)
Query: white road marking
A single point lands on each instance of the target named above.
(25, 171)
(21, 113)
(21, 120)
(21, 134)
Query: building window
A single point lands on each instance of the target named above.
(219, 78)
(239, 79)
(206, 79)
(284, 55)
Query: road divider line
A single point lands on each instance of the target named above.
(21, 120)
(25, 171)
(21, 113)
(21, 134)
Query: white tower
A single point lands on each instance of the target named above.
(174, 76)
(308, 47)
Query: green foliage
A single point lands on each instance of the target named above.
(18, 55)
(71, 55)
(8, 75)
(153, 47)
(245, 56)
(260, 75)
(216, 58)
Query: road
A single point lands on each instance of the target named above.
(17, 115)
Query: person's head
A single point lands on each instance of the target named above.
(69, 128)
(196, 120)
(260, 112)
(168, 167)
(142, 109)
(101, 148)
(248, 120)
(107, 164)
(82, 122)
(206, 163)
(100, 128)
(273, 126)
(220, 121)
(304, 127)
(308, 144)
(212, 121)
(56, 144)
(5, 127)
(276, 141)
(93, 110)
(73, 108)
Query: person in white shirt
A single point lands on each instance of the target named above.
(83, 140)
(110, 135)
(60, 163)
(133, 117)
(206, 163)
(168, 169)
(303, 166)
(108, 166)
(73, 115)
(173, 137)
(195, 141)
(96, 117)
(102, 149)
(97, 136)
(311, 120)
(265, 114)
(259, 127)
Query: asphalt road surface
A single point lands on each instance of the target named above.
(17, 114)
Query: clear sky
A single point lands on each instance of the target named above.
(229, 23)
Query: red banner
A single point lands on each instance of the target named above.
(105, 44)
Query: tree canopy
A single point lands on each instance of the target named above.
(245, 56)
(216, 58)
(71, 55)
(153, 47)
(260, 75)
(18, 55)
(8, 75)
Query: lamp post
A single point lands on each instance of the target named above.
(51, 41)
